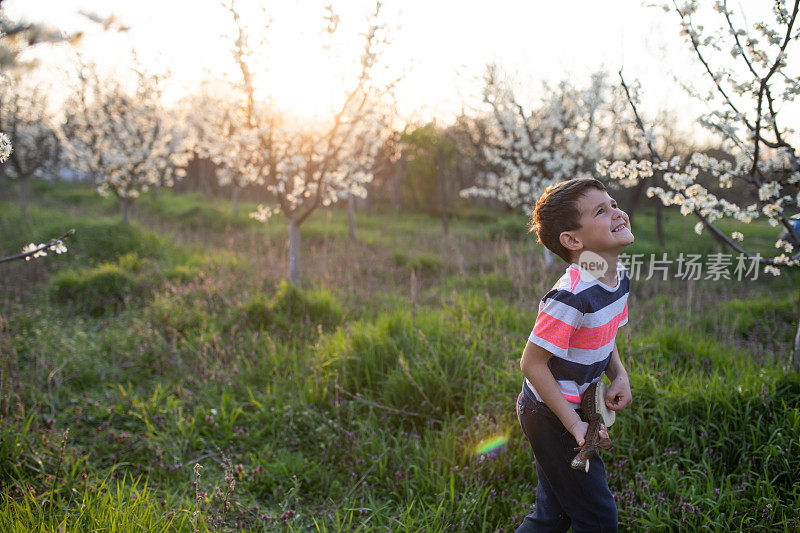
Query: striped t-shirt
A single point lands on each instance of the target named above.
(577, 323)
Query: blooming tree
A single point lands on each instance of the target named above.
(123, 137)
(215, 117)
(14, 39)
(750, 85)
(305, 164)
(23, 114)
(530, 149)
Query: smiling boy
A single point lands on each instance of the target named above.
(571, 346)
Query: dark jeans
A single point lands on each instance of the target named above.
(564, 496)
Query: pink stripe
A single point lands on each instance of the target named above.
(594, 338)
(571, 398)
(574, 276)
(555, 331)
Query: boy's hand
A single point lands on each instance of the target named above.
(618, 395)
(579, 428)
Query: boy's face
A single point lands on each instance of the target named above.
(605, 229)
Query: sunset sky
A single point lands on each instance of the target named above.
(443, 45)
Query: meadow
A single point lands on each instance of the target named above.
(162, 376)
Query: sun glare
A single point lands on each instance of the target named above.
(299, 68)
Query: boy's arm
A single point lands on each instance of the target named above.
(534, 367)
(618, 395)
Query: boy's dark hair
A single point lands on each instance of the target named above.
(557, 211)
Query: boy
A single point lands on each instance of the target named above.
(572, 344)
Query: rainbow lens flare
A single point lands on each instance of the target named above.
(491, 446)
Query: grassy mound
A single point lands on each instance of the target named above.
(291, 310)
(103, 289)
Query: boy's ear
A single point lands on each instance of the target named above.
(570, 241)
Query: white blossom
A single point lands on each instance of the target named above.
(5, 147)
(769, 190)
(58, 247)
(125, 138)
(765, 165)
(529, 149)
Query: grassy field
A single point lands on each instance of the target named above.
(162, 377)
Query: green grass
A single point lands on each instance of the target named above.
(359, 401)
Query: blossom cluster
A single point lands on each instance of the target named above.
(127, 140)
(530, 149)
(758, 155)
(39, 250)
(5, 147)
(24, 115)
(692, 197)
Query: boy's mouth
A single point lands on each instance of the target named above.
(620, 227)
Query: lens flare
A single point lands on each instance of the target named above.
(491, 445)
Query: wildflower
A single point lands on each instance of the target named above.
(737, 236)
(286, 516)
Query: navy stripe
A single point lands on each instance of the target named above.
(590, 300)
(564, 370)
(565, 297)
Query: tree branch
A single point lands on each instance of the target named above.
(43, 247)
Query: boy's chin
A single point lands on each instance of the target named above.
(630, 239)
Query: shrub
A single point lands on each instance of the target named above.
(103, 289)
(183, 314)
(440, 362)
(423, 262)
(292, 308)
(101, 240)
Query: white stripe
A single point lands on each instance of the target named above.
(552, 348)
(601, 317)
(536, 394)
(588, 357)
(560, 310)
(576, 355)
(573, 389)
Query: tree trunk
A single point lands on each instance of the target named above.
(124, 204)
(795, 358)
(351, 217)
(634, 199)
(294, 252)
(23, 194)
(442, 190)
(235, 201)
(659, 226)
(397, 189)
